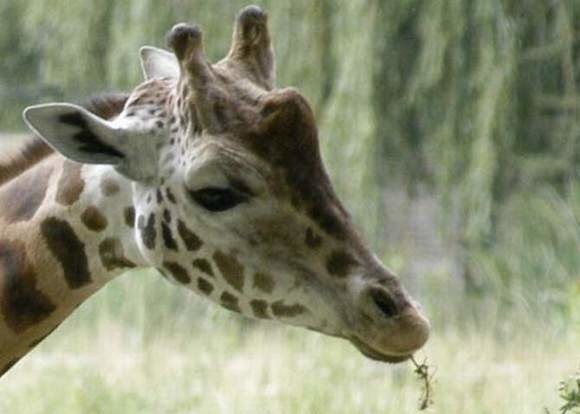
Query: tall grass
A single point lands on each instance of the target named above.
(171, 353)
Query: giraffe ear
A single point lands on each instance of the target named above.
(158, 63)
(84, 137)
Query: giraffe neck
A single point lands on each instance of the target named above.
(65, 231)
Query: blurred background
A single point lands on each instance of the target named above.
(451, 130)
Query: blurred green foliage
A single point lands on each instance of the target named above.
(477, 102)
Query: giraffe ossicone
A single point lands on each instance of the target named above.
(210, 174)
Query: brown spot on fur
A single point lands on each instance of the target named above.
(260, 309)
(129, 214)
(22, 304)
(264, 282)
(159, 196)
(8, 366)
(230, 268)
(328, 221)
(339, 263)
(167, 216)
(203, 266)
(66, 247)
(190, 239)
(113, 255)
(109, 187)
(170, 196)
(93, 219)
(312, 239)
(179, 272)
(230, 302)
(148, 232)
(21, 199)
(168, 237)
(204, 286)
(70, 184)
(287, 311)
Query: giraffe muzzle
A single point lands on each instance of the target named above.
(390, 326)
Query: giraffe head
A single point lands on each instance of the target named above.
(230, 195)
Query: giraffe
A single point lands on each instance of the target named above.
(208, 173)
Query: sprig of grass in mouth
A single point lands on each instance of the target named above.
(425, 374)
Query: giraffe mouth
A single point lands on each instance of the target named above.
(376, 355)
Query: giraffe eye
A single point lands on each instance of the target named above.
(217, 199)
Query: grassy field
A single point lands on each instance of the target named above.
(144, 346)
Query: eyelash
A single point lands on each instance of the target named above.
(217, 199)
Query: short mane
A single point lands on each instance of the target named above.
(34, 149)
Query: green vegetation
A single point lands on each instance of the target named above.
(475, 104)
(570, 394)
(145, 346)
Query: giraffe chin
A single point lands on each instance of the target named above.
(377, 356)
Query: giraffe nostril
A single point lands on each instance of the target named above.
(384, 302)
